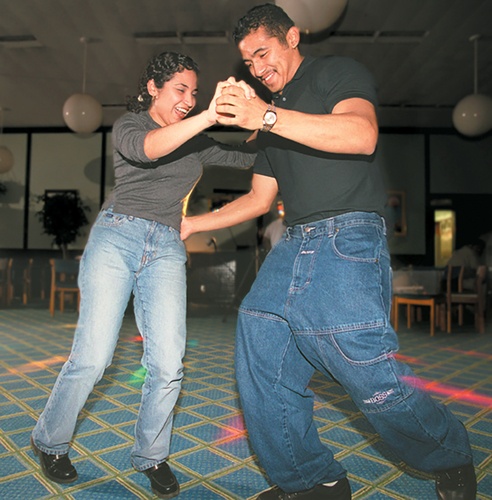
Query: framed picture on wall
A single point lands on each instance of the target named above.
(395, 213)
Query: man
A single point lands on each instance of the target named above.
(469, 255)
(321, 299)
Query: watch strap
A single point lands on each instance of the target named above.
(268, 126)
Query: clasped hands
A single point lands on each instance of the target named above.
(236, 104)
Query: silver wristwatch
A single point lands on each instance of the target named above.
(269, 118)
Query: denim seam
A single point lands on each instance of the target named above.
(261, 314)
(368, 362)
(284, 420)
(437, 441)
(354, 327)
(312, 264)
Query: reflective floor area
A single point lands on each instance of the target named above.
(210, 452)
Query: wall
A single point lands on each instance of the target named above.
(431, 167)
(402, 157)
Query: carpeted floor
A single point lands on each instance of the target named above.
(210, 452)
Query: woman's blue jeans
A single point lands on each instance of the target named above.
(322, 300)
(125, 254)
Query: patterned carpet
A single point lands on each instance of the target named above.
(210, 452)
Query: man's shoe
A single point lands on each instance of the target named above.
(339, 491)
(57, 468)
(162, 481)
(459, 483)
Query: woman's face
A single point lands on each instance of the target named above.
(175, 99)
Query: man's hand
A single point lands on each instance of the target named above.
(234, 108)
(249, 92)
(186, 228)
(242, 87)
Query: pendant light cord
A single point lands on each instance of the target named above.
(84, 41)
(474, 39)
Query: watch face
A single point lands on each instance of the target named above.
(270, 118)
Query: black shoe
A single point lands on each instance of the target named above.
(162, 481)
(57, 468)
(339, 491)
(459, 483)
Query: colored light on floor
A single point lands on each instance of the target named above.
(138, 377)
(409, 359)
(35, 366)
(457, 393)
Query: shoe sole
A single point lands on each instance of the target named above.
(46, 473)
(165, 495)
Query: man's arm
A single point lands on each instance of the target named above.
(351, 128)
(257, 202)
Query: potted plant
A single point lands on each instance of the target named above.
(63, 216)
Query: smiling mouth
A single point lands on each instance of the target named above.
(183, 111)
(265, 79)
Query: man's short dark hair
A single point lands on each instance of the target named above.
(269, 16)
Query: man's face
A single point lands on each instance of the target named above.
(271, 62)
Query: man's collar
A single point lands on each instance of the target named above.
(306, 61)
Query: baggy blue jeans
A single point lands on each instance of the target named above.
(322, 300)
(125, 254)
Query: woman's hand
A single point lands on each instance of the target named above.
(247, 91)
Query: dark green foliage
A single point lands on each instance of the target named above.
(63, 216)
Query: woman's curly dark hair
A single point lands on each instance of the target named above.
(161, 69)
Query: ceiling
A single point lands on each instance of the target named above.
(419, 51)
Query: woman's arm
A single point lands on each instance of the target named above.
(257, 202)
(162, 141)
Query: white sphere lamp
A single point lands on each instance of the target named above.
(472, 116)
(82, 113)
(6, 160)
(6, 156)
(313, 16)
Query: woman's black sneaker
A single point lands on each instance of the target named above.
(162, 481)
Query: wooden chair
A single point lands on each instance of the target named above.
(27, 281)
(435, 303)
(417, 288)
(6, 285)
(22, 277)
(64, 275)
(457, 297)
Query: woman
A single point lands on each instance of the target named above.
(135, 247)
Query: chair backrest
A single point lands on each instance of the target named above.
(454, 281)
(481, 273)
(4, 264)
(6, 269)
(21, 266)
(481, 284)
(64, 272)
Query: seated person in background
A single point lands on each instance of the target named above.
(469, 256)
(275, 230)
